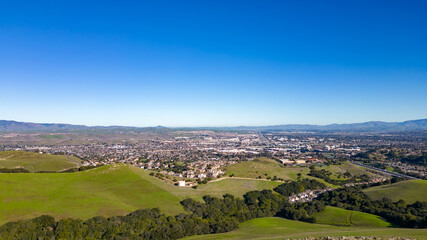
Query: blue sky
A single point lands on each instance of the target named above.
(212, 63)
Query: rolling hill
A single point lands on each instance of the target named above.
(342, 217)
(280, 228)
(37, 162)
(410, 191)
(259, 167)
(107, 191)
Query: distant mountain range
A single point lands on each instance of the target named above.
(374, 126)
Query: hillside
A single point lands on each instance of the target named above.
(342, 217)
(37, 162)
(259, 167)
(410, 191)
(280, 228)
(107, 191)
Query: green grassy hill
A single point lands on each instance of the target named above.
(280, 228)
(261, 166)
(341, 217)
(410, 191)
(37, 162)
(108, 190)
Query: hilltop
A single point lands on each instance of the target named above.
(410, 191)
(34, 162)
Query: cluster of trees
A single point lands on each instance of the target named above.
(302, 211)
(413, 159)
(326, 175)
(287, 189)
(399, 213)
(141, 224)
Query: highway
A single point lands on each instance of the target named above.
(264, 139)
(384, 171)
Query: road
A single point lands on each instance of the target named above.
(384, 171)
(264, 139)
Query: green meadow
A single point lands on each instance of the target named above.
(341, 217)
(107, 191)
(37, 162)
(280, 228)
(264, 167)
(410, 191)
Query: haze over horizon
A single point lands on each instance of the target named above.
(216, 63)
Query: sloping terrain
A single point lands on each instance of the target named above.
(410, 191)
(37, 162)
(107, 191)
(280, 228)
(263, 167)
(341, 217)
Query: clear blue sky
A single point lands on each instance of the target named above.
(212, 63)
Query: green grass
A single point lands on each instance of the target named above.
(410, 191)
(279, 228)
(36, 162)
(236, 187)
(341, 217)
(107, 191)
(262, 166)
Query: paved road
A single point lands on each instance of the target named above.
(264, 139)
(384, 171)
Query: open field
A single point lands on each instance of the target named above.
(280, 228)
(237, 187)
(37, 162)
(108, 190)
(341, 217)
(262, 166)
(410, 191)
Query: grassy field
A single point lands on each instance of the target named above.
(263, 166)
(341, 217)
(108, 190)
(410, 191)
(279, 228)
(36, 162)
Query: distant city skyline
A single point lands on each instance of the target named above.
(222, 63)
